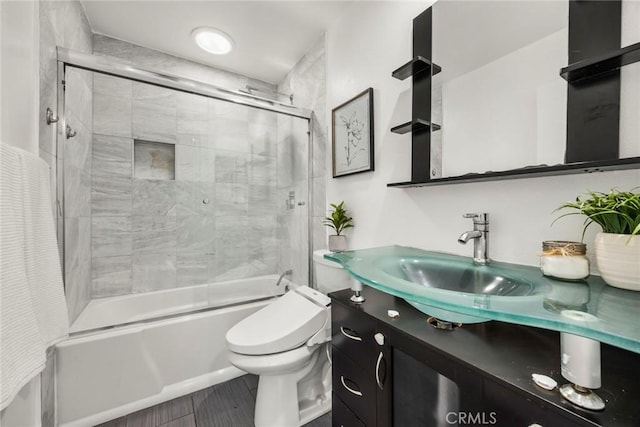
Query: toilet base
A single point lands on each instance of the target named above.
(278, 406)
(294, 399)
(309, 414)
(277, 401)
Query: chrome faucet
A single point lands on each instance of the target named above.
(480, 236)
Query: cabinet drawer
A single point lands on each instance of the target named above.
(511, 409)
(355, 387)
(352, 333)
(341, 416)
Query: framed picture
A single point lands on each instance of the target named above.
(352, 135)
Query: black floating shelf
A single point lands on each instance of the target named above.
(415, 125)
(415, 66)
(601, 64)
(529, 172)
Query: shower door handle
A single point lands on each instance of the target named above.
(51, 117)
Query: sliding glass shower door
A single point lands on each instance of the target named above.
(165, 189)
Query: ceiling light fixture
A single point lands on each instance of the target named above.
(212, 40)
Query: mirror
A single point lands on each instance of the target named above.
(499, 99)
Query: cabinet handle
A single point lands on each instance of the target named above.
(348, 335)
(349, 389)
(378, 371)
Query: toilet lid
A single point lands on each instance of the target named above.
(283, 325)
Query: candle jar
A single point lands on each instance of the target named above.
(564, 260)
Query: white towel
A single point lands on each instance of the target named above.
(33, 311)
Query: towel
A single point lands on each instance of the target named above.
(33, 311)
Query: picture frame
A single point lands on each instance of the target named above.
(352, 135)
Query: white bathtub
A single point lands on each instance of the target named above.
(105, 374)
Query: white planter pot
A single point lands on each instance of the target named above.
(618, 260)
(337, 243)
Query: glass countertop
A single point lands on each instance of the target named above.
(521, 294)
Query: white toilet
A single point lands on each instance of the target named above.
(287, 345)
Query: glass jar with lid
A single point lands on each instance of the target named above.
(564, 260)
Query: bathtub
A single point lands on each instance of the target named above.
(130, 352)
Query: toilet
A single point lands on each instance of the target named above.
(287, 345)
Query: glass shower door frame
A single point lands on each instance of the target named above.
(117, 68)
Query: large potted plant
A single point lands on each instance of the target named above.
(339, 220)
(617, 247)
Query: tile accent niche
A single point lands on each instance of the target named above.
(154, 160)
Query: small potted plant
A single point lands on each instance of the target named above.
(339, 221)
(617, 247)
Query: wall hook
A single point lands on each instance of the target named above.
(50, 117)
(70, 132)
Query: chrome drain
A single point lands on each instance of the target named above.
(442, 324)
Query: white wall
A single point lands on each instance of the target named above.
(24, 410)
(19, 75)
(372, 40)
(19, 127)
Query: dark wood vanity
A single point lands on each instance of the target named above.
(404, 372)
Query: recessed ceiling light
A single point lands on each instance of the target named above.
(212, 40)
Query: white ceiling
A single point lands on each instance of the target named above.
(270, 36)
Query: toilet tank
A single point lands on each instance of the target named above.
(329, 275)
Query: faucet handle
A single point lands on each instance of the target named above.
(479, 218)
(480, 215)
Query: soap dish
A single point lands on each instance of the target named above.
(544, 381)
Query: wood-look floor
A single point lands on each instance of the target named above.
(230, 404)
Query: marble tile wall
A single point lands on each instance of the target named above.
(222, 200)
(216, 220)
(307, 82)
(63, 23)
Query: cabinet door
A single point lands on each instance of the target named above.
(352, 333)
(355, 387)
(421, 395)
(510, 409)
(428, 387)
(341, 415)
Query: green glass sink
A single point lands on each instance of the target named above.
(450, 287)
(455, 276)
(433, 282)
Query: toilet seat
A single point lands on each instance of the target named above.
(273, 364)
(285, 324)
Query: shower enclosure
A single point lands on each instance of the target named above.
(166, 183)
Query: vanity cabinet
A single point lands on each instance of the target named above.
(359, 366)
(478, 374)
(514, 409)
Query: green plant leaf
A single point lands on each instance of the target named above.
(615, 212)
(338, 218)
